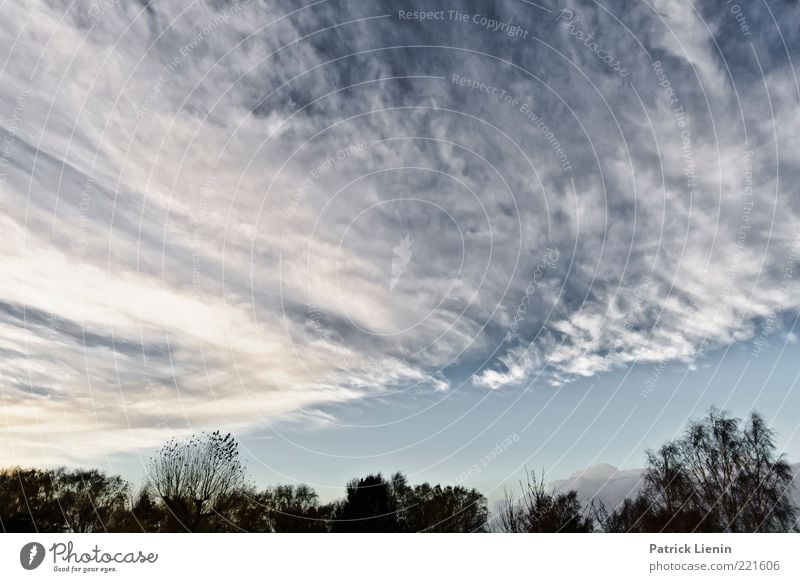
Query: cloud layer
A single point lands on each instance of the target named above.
(221, 213)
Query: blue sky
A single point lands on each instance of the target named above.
(362, 239)
(611, 419)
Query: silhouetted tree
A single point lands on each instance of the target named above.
(433, 508)
(541, 511)
(90, 500)
(374, 504)
(635, 515)
(28, 501)
(196, 478)
(243, 510)
(279, 509)
(57, 500)
(296, 508)
(721, 476)
(370, 506)
(145, 514)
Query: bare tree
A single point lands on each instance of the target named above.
(195, 478)
(541, 511)
(723, 475)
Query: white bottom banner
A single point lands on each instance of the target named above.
(390, 557)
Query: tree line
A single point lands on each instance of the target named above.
(722, 475)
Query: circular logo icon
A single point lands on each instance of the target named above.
(31, 555)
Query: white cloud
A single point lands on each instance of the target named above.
(150, 265)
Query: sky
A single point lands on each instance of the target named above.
(449, 238)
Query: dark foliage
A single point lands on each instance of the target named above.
(370, 506)
(91, 501)
(279, 509)
(78, 501)
(433, 508)
(723, 475)
(28, 501)
(374, 504)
